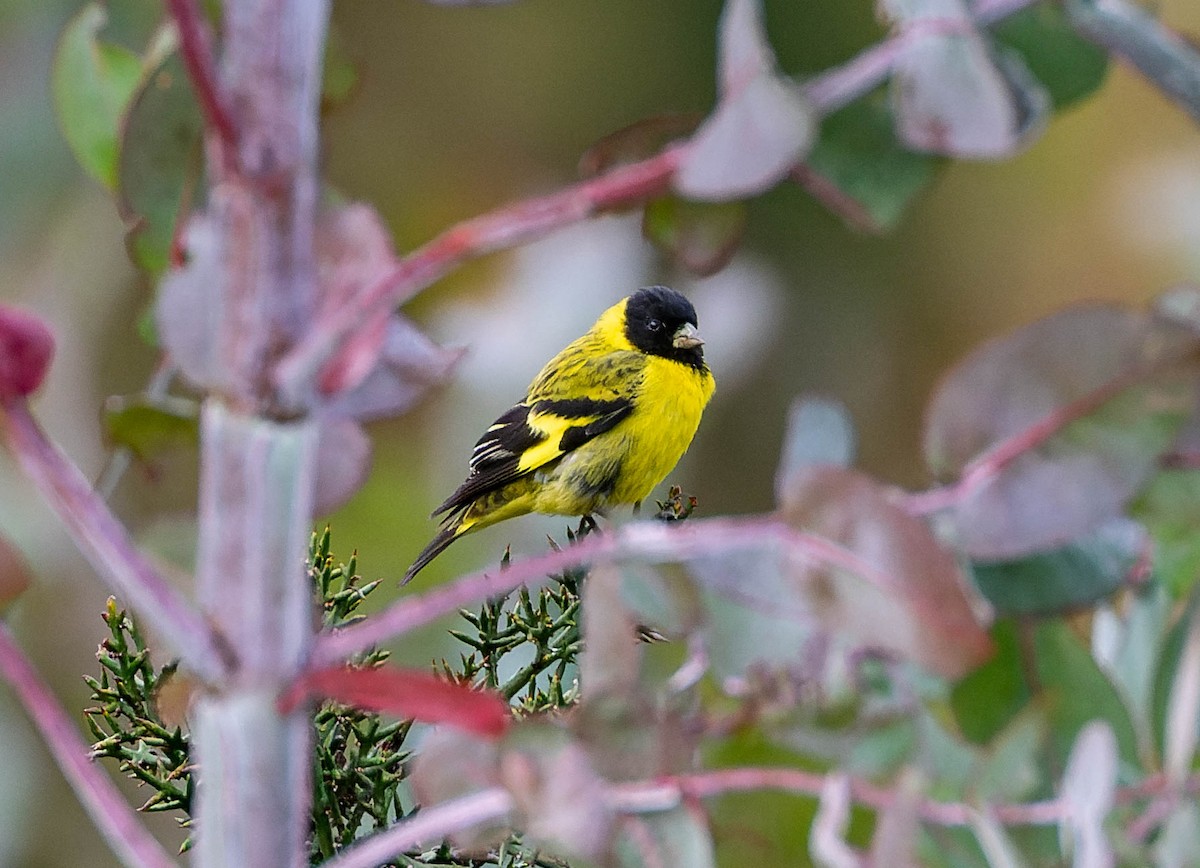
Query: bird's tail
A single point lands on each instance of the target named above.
(448, 534)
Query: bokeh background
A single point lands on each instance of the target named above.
(458, 110)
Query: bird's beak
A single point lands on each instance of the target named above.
(686, 337)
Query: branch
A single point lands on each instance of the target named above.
(527, 220)
(196, 52)
(648, 540)
(501, 229)
(105, 542)
(1133, 34)
(430, 825)
(104, 803)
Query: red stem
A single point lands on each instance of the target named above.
(196, 52)
(105, 542)
(501, 229)
(113, 816)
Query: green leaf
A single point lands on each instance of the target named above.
(860, 158)
(92, 84)
(1170, 508)
(1069, 578)
(700, 236)
(1166, 674)
(1068, 66)
(1011, 769)
(986, 700)
(148, 427)
(160, 161)
(1077, 692)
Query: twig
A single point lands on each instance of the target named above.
(648, 540)
(104, 803)
(427, 826)
(196, 52)
(105, 542)
(1132, 34)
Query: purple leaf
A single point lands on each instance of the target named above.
(749, 143)
(762, 124)
(952, 92)
(453, 764)
(1088, 786)
(343, 462)
(899, 590)
(187, 314)
(744, 51)
(408, 693)
(1053, 428)
(353, 250)
(408, 365)
(561, 800)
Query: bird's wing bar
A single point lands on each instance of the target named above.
(526, 438)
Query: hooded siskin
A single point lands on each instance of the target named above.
(602, 424)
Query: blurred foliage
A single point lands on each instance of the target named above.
(1023, 710)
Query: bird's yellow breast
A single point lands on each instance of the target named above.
(669, 405)
(622, 466)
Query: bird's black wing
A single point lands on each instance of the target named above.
(528, 437)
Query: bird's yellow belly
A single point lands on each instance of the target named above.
(624, 465)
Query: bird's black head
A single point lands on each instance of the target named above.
(660, 321)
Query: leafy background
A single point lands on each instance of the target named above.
(456, 110)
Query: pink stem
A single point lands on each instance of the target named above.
(116, 820)
(431, 825)
(503, 228)
(651, 540)
(105, 542)
(197, 56)
(491, 805)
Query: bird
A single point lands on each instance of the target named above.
(600, 426)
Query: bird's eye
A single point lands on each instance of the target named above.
(654, 325)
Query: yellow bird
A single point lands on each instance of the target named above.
(602, 424)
